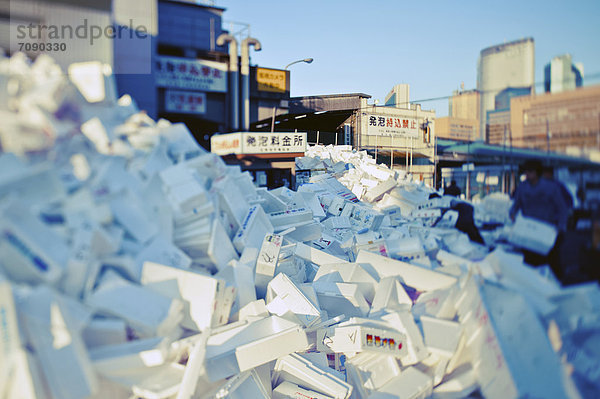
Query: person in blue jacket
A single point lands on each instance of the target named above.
(541, 199)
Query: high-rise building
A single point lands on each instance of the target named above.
(500, 66)
(561, 74)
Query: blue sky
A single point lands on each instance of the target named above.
(368, 46)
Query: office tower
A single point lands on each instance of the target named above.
(500, 66)
(561, 74)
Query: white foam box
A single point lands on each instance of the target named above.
(242, 386)
(266, 263)
(410, 384)
(294, 299)
(220, 249)
(160, 382)
(9, 331)
(231, 198)
(377, 192)
(257, 308)
(118, 359)
(31, 251)
(534, 366)
(457, 385)
(493, 374)
(367, 217)
(245, 345)
(241, 277)
(316, 256)
(432, 213)
(27, 379)
(58, 345)
(413, 276)
(415, 348)
(349, 273)
(255, 226)
(160, 250)
(200, 292)
(369, 371)
(104, 331)
(435, 366)
(305, 232)
(300, 371)
(147, 311)
(441, 202)
(128, 211)
(312, 202)
(287, 390)
(441, 336)
(284, 219)
(341, 298)
(366, 336)
(532, 234)
(438, 303)
(272, 203)
(390, 295)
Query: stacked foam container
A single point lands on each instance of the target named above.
(134, 264)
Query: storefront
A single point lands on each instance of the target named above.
(270, 157)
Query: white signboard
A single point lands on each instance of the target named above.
(258, 143)
(224, 144)
(184, 73)
(392, 126)
(185, 102)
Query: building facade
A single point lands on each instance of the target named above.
(557, 121)
(500, 66)
(462, 122)
(180, 72)
(459, 129)
(562, 75)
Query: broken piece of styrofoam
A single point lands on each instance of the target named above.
(32, 252)
(411, 383)
(104, 331)
(266, 263)
(441, 336)
(292, 298)
(390, 295)
(413, 276)
(255, 226)
(415, 348)
(149, 312)
(369, 371)
(201, 293)
(297, 370)
(248, 344)
(349, 273)
(287, 390)
(58, 345)
(115, 359)
(341, 298)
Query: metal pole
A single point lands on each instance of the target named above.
(273, 119)
(392, 152)
(246, 43)
(233, 78)
(376, 146)
(411, 154)
(317, 137)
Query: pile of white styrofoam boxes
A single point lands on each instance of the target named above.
(133, 263)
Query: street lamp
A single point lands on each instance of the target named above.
(307, 60)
